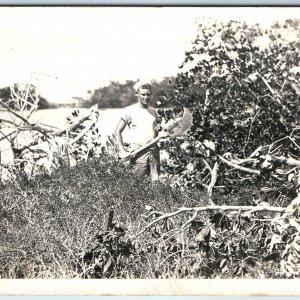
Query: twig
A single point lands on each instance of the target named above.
(189, 220)
(250, 129)
(14, 113)
(6, 136)
(214, 176)
(292, 140)
(294, 224)
(207, 165)
(271, 90)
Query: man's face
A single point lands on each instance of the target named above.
(144, 95)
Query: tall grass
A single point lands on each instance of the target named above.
(45, 223)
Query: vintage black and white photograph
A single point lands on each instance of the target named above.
(149, 142)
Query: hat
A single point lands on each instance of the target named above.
(138, 84)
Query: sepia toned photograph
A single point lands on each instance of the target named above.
(150, 143)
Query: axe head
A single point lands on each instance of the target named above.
(179, 126)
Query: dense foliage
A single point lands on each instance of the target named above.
(241, 83)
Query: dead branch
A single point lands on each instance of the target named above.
(66, 128)
(14, 113)
(250, 129)
(32, 126)
(271, 90)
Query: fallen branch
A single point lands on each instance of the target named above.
(196, 210)
(32, 126)
(66, 128)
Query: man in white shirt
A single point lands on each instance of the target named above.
(140, 120)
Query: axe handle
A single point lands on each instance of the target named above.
(155, 140)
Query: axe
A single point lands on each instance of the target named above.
(173, 128)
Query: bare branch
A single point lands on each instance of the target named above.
(33, 126)
(195, 214)
(196, 210)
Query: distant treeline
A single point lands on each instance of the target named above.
(117, 94)
(114, 95)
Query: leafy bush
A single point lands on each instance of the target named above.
(241, 83)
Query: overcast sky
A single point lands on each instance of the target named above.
(72, 49)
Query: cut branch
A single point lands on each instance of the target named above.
(241, 161)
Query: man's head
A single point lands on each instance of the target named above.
(143, 90)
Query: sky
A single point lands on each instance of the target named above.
(67, 51)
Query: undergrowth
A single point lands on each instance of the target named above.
(83, 223)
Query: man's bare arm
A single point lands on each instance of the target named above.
(118, 134)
